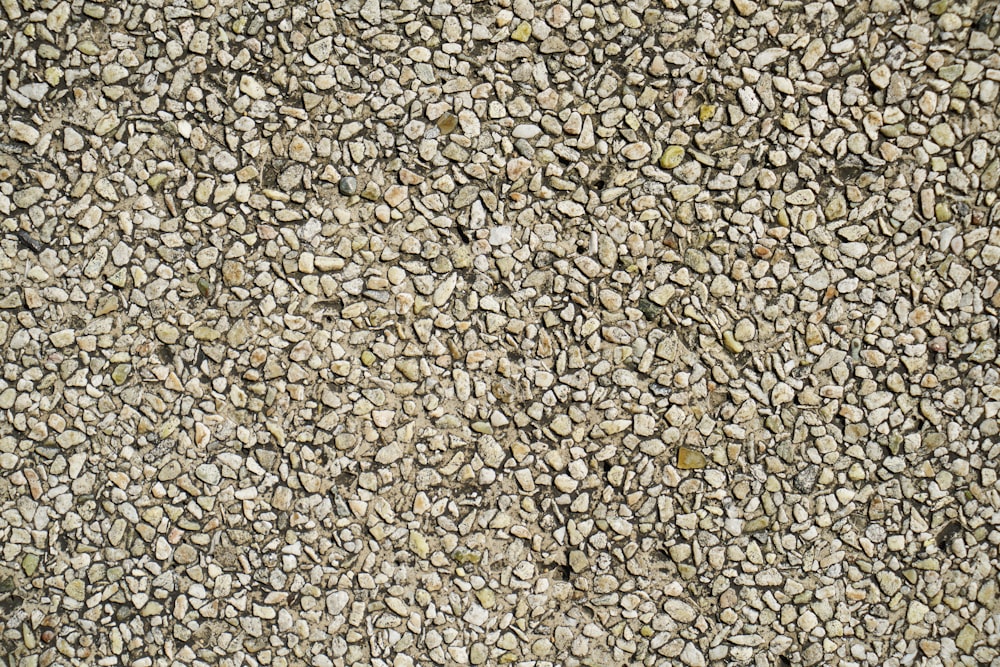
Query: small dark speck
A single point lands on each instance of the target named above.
(948, 534)
(29, 241)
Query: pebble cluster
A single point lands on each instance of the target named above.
(540, 333)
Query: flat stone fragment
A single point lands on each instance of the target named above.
(672, 156)
(966, 638)
(250, 86)
(63, 338)
(113, 73)
(682, 193)
(282, 498)
(690, 459)
(23, 132)
(171, 471)
(500, 235)
(106, 124)
(943, 135)
(880, 76)
(224, 161)
(371, 12)
(389, 453)
(522, 32)
(395, 195)
(813, 52)
(71, 438)
(578, 561)
(445, 290)
(30, 564)
(561, 425)
(299, 149)
(801, 197)
(636, 151)
(185, 554)
(782, 393)
(208, 473)
(167, 333)
(77, 590)
(418, 544)
(768, 56)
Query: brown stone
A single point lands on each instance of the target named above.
(447, 122)
(233, 273)
(690, 459)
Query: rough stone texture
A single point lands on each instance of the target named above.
(556, 333)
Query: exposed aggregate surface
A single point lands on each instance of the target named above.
(534, 333)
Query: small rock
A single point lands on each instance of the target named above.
(281, 499)
(395, 195)
(77, 590)
(7, 398)
(522, 32)
(501, 235)
(208, 473)
(731, 343)
(113, 73)
(185, 554)
(169, 472)
(943, 135)
(636, 151)
(72, 140)
(561, 425)
(690, 459)
(232, 273)
(251, 87)
(916, 612)
(299, 149)
(418, 544)
(814, 51)
(966, 638)
(63, 338)
(348, 186)
(781, 394)
(478, 653)
(371, 11)
(672, 156)
(801, 198)
(880, 76)
(167, 333)
(224, 161)
(517, 167)
(70, 438)
(30, 564)
(23, 132)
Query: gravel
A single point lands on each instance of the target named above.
(369, 333)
